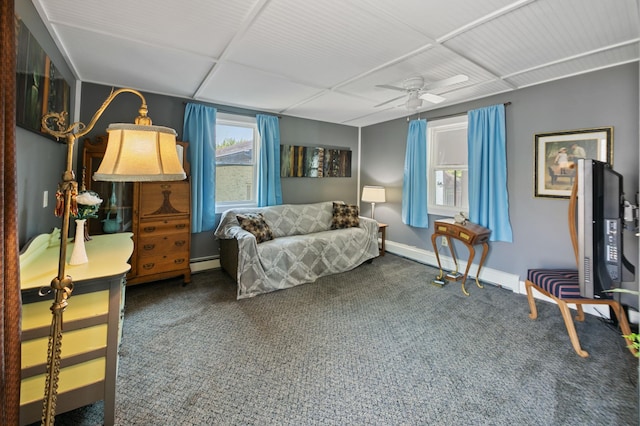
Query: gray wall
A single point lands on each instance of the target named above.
(540, 230)
(169, 111)
(297, 131)
(41, 160)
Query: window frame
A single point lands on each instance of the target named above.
(248, 122)
(458, 122)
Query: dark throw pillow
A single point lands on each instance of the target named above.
(254, 223)
(345, 216)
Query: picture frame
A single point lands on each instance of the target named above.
(557, 152)
(314, 161)
(40, 86)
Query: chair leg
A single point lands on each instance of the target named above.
(532, 303)
(571, 329)
(624, 323)
(580, 315)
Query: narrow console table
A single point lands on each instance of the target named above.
(92, 323)
(470, 234)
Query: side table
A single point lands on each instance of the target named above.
(382, 229)
(470, 234)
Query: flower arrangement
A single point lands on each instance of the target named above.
(87, 203)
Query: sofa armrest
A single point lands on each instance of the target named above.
(238, 250)
(369, 225)
(229, 256)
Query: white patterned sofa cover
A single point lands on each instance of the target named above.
(304, 247)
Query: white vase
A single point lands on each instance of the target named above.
(79, 253)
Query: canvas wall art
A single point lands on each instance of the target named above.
(316, 162)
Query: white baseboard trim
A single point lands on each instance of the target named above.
(204, 265)
(489, 275)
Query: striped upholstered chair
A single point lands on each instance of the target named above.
(563, 287)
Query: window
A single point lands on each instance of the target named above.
(447, 166)
(237, 145)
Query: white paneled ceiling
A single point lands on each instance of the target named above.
(324, 60)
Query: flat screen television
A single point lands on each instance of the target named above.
(600, 223)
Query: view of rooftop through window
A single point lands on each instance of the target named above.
(227, 135)
(235, 162)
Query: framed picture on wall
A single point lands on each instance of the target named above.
(556, 154)
(40, 87)
(317, 162)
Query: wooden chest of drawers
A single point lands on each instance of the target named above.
(157, 213)
(162, 229)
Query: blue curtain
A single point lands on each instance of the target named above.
(488, 197)
(269, 189)
(414, 185)
(200, 131)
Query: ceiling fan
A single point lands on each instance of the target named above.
(417, 91)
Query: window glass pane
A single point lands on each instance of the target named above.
(439, 196)
(235, 163)
(451, 146)
(447, 159)
(447, 184)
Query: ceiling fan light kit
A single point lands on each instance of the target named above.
(414, 102)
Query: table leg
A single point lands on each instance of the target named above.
(440, 276)
(485, 250)
(472, 254)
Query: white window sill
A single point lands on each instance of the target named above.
(445, 211)
(221, 208)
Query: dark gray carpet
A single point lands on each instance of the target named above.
(378, 345)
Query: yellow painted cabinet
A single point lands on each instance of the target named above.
(91, 329)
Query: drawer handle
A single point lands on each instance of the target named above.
(149, 246)
(165, 186)
(178, 261)
(149, 228)
(181, 225)
(180, 243)
(148, 266)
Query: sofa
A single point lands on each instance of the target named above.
(272, 248)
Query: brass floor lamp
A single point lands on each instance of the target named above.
(135, 152)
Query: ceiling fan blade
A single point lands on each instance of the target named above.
(389, 101)
(430, 97)
(460, 78)
(386, 86)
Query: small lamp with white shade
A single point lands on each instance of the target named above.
(373, 195)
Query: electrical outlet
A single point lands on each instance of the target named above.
(444, 242)
(45, 199)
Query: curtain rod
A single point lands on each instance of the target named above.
(229, 111)
(457, 114)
